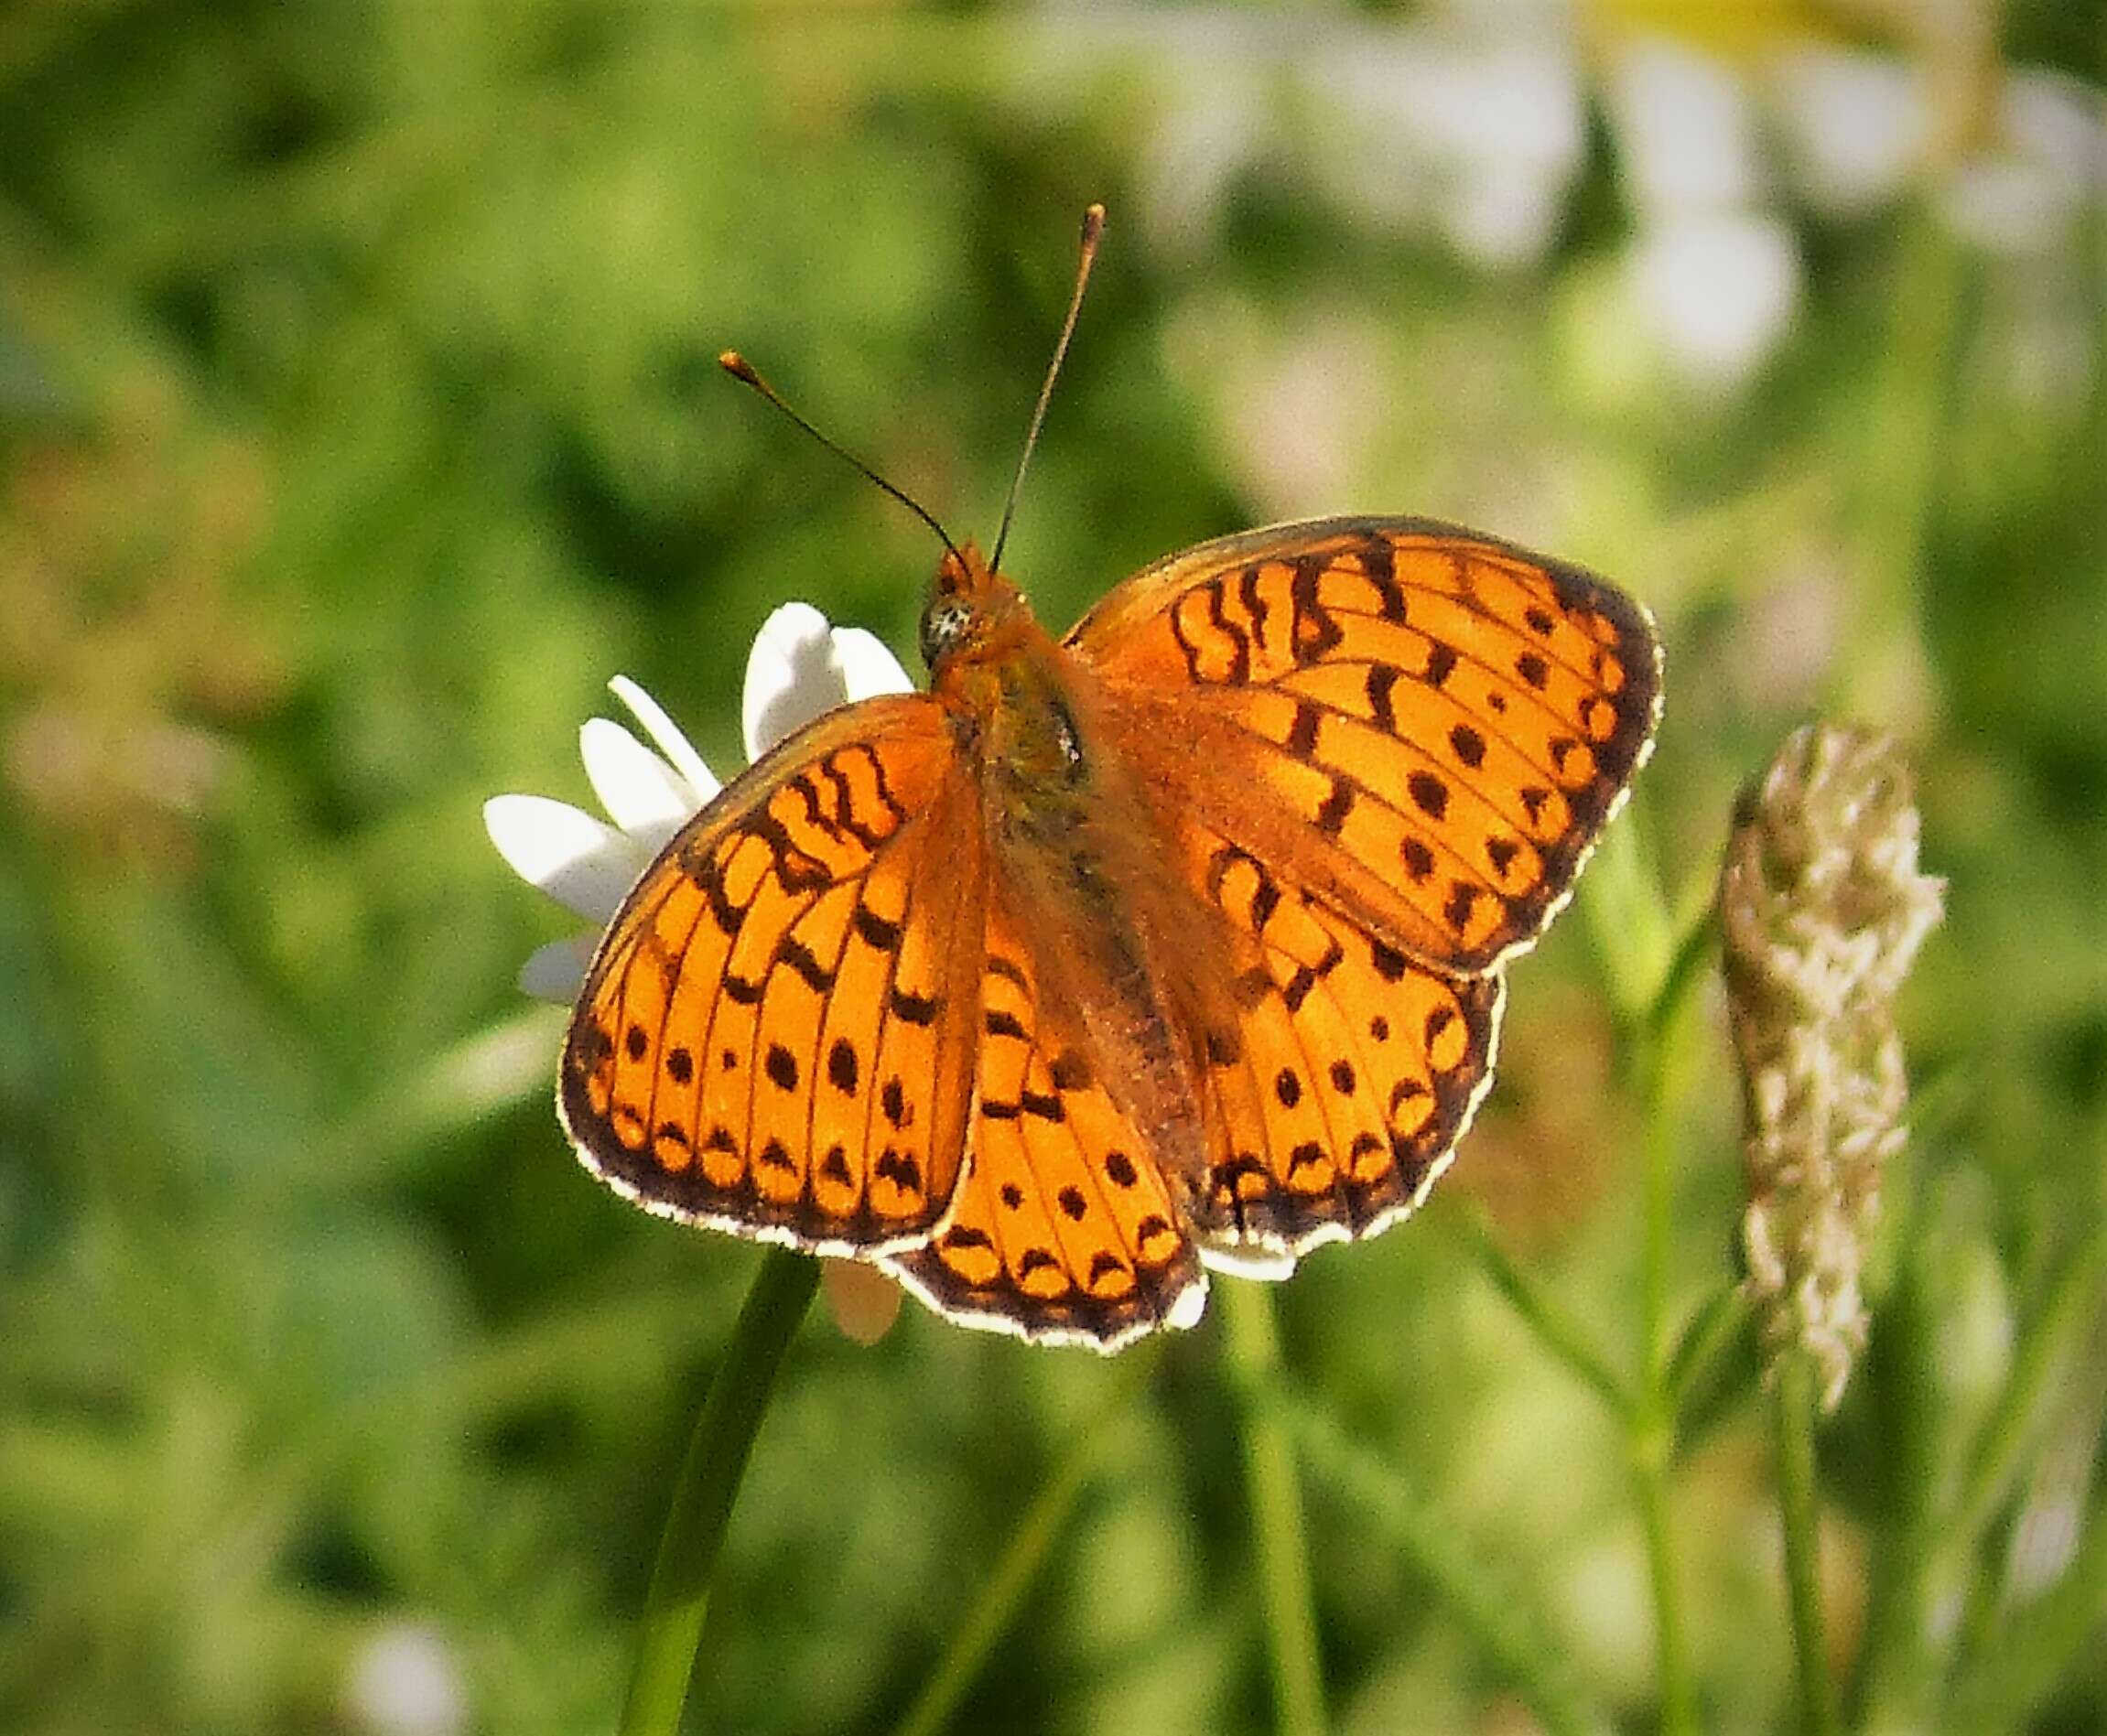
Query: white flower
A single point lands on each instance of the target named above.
(1476, 131)
(1716, 291)
(1686, 131)
(1854, 125)
(405, 1680)
(1711, 274)
(799, 668)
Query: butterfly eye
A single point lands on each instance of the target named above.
(945, 625)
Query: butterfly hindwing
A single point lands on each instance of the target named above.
(1351, 1071)
(1065, 1228)
(1430, 727)
(776, 1035)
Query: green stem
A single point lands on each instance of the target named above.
(1901, 1377)
(709, 1477)
(1254, 1353)
(1650, 1471)
(1559, 1334)
(2046, 1345)
(1621, 901)
(1650, 972)
(1657, 1214)
(995, 1602)
(1798, 1508)
(1693, 1368)
(1974, 1547)
(1496, 1620)
(1652, 1421)
(1688, 970)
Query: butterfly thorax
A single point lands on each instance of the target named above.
(1011, 689)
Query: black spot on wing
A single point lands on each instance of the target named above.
(915, 1009)
(1331, 816)
(901, 1168)
(841, 1066)
(798, 957)
(1381, 681)
(877, 931)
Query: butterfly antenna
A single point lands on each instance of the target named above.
(741, 370)
(1093, 227)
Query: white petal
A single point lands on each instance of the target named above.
(1501, 214)
(1854, 125)
(790, 676)
(1716, 293)
(583, 865)
(1686, 130)
(556, 972)
(406, 1679)
(662, 729)
(867, 667)
(643, 795)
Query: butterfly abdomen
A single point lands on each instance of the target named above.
(1079, 859)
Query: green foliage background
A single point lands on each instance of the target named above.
(359, 419)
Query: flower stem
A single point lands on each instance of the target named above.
(1657, 1225)
(1898, 473)
(1559, 1334)
(1254, 1352)
(995, 1602)
(1694, 1371)
(1512, 1639)
(2047, 1344)
(1650, 1470)
(1973, 1555)
(710, 1476)
(1902, 1378)
(1620, 897)
(1794, 1411)
(1663, 1072)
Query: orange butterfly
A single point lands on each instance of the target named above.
(1170, 944)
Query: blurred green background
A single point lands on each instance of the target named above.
(359, 419)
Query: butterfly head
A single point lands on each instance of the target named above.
(973, 612)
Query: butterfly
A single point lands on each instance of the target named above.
(1175, 944)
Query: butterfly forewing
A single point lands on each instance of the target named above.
(1426, 726)
(777, 1035)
